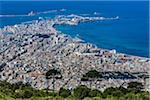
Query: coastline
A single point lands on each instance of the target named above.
(121, 53)
(39, 43)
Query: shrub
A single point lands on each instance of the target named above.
(5, 97)
(92, 74)
(112, 91)
(64, 92)
(135, 87)
(52, 94)
(28, 94)
(52, 72)
(23, 94)
(81, 91)
(94, 93)
(123, 90)
(40, 93)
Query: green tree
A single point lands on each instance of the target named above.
(91, 76)
(112, 91)
(64, 92)
(81, 91)
(22, 90)
(28, 94)
(135, 87)
(54, 74)
(94, 93)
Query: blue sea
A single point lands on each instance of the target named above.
(129, 34)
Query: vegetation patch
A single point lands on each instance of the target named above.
(22, 91)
